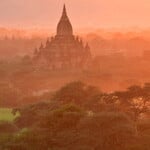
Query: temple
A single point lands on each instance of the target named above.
(64, 51)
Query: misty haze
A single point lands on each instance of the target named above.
(74, 76)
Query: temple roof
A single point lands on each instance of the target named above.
(64, 27)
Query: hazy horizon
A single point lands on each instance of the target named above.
(84, 14)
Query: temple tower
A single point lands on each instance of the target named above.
(64, 51)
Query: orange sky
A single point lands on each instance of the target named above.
(82, 13)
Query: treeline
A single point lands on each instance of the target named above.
(81, 117)
(16, 46)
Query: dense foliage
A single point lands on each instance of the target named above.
(81, 117)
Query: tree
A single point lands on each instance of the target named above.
(135, 100)
(109, 131)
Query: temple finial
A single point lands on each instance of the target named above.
(64, 10)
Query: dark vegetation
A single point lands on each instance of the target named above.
(81, 117)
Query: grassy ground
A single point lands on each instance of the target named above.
(6, 115)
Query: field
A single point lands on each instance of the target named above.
(6, 115)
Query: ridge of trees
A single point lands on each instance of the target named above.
(81, 117)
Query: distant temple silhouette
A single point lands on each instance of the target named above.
(64, 51)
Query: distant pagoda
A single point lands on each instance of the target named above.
(64, 51)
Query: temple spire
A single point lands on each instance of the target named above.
(64, 10)
(64, 26)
